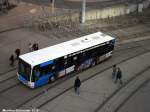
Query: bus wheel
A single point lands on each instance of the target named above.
(93, 64)
(52, 79)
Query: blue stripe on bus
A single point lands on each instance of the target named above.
(43, 80)
(22, 79)
(46, 63)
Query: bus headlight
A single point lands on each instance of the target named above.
(31, 84)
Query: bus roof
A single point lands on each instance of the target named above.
(65, 48)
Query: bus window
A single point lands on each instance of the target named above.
(75, 58)
(60, 63)
(46, 69)
(94, 52)
(103, 49)
(42, 71)
(36, 74)
(72, 60)
(24, 70)
(109, 47)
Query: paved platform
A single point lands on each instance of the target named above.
(17, 39)
(135, 103)
(94, 91)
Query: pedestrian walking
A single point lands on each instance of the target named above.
(35, 46)
(11, 59)
(17, 52)
(30, 47)
(114, 72)
(119, 76)
(77, 85)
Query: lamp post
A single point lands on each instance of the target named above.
(52, 5)
(83, 11)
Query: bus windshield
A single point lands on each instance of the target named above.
(24, 69)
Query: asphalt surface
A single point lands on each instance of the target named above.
(12, 91)
(14, 95)
(139, 102)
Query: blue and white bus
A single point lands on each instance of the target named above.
(48, 64)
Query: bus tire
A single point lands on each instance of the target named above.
(52, 79)
(94, 63)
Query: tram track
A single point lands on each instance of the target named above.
(1, 74)
(133, 79)
(117, 50)
(8, 84)
(121, 88)
(10, 87)
(63, 80)
(60, 82)
(9, 78)
(61, 93)
(40, 106)
(17, 84)
(133, 93)
(11, 29)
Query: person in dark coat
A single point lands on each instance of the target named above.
(11, 59)
(77, 85)
(114, 72)
(35, 46)
(17, 52)
(119, 76)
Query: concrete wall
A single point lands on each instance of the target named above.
(111, 11)
(132, 8)
(116, 10)
(93, 14)
(106, 12)
(69, 17)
